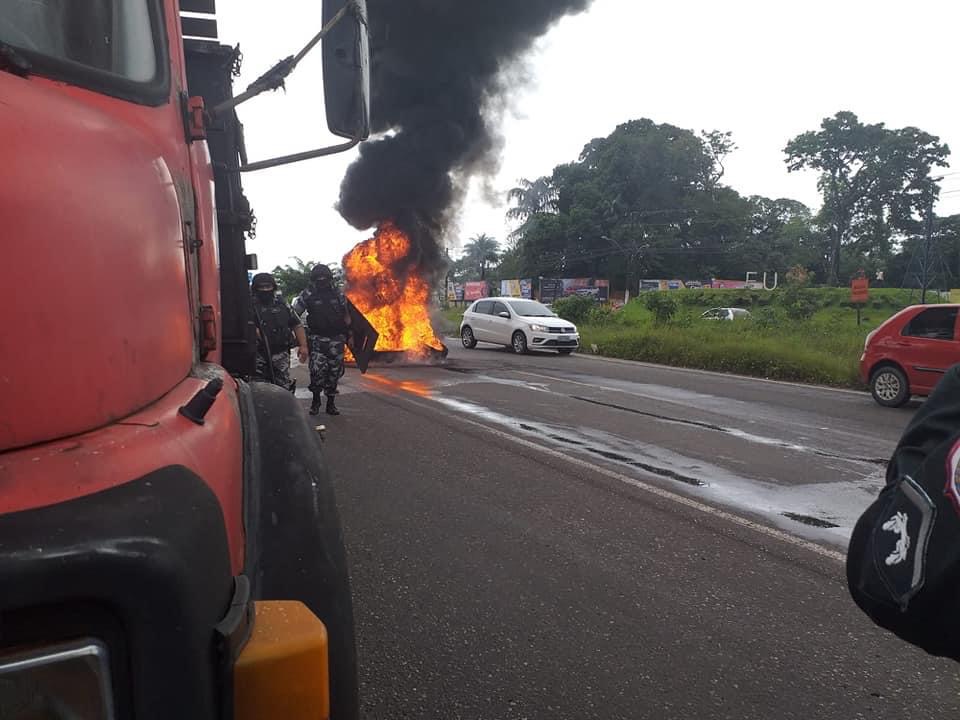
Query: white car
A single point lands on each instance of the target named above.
(519, 324)
(728, 314)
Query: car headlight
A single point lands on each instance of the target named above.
(538, 328)
(71, 680)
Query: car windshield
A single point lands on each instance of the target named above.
(530, 308)
(111, 36)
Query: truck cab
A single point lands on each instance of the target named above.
(137, 464)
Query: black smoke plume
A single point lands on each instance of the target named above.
(441, 72)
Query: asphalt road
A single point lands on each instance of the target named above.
(567, 537)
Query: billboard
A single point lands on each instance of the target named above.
(590, 287)
(475, 290)
(662, 285)
(516, 288)
(716, 283)
(551, 289)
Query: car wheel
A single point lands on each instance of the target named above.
(467, 338)
(519, 342)
(889, 386)
(565, 351)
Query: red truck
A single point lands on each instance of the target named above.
(169, 541)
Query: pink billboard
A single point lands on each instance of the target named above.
(475, 290)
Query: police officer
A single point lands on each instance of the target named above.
(328, 326)
(903, 561)
(275, 322)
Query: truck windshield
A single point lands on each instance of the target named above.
(109, 36)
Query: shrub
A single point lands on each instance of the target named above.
(601, 315)
(799, 276)
(663, 306)
(692, 297)
(798, 303)
(766, 318)
(574, 308)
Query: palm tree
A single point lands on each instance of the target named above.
(482, 251)
(536, 197)
(532, 198)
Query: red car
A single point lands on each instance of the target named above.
(909, 353)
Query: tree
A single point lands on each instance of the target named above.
(781, 234)
(717, 145)
(874, 181)
(530, 197)
(293, 279)
(481, 252)
(644, 199)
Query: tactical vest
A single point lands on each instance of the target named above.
(325, 312)
(275, 325)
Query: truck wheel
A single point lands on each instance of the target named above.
(297, 545)
(889, 386)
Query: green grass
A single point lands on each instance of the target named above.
(804, 353)
(823, 348)
(446, 321)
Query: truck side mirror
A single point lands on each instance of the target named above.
(346, 70)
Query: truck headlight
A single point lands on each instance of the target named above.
(66, 681)
(538, 328)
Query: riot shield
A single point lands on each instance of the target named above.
(364, 338)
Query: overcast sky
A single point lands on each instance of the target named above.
(764, 70)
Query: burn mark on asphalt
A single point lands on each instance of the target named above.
(735, 433)
(616, 457)
(810, 520)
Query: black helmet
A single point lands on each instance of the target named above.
(321, 272)
(264, 281)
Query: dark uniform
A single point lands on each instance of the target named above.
(903, 562)
(328, 324)
(276, 325)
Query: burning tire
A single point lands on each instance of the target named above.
(467, 338)
(519, 342)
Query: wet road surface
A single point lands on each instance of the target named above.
(567, 537)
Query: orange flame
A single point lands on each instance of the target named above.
(390, 293)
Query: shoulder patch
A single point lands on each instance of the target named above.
(900, 537)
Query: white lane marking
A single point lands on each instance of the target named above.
(647, 487)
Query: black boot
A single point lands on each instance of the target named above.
(331, 406)
(315, 405)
